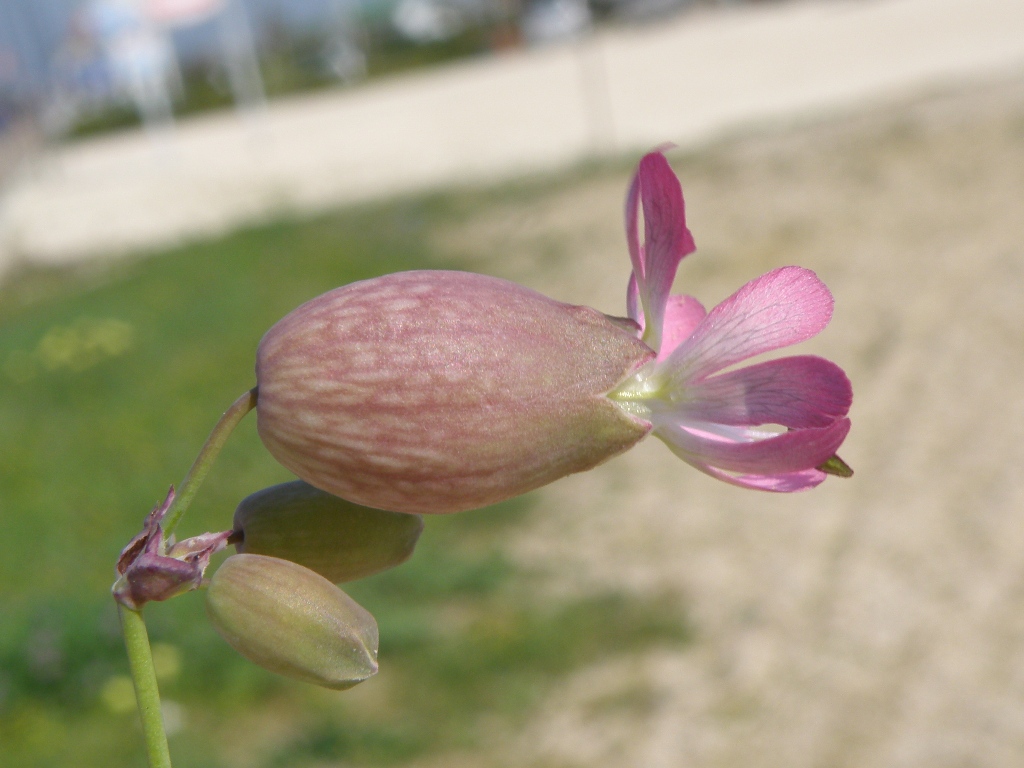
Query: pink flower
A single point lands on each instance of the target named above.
(717, 421)
(437, 391)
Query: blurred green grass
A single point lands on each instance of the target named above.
(110, 378)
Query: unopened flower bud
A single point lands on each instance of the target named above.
(292, 621)
(438, 391)
(339, 540)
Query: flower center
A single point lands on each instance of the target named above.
(637, 391)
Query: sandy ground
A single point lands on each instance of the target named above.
(627, 89)
(877, 621)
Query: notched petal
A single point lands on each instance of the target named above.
(793, 451)
(797, 392)
(786, 482)
(783, 307)
(682, 316)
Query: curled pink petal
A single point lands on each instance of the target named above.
(801, 391)
(786, 482)
(633, 310)
(636, 254)
(785, 306)
(785, 452)
(656, 189)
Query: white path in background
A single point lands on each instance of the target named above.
(683, 81)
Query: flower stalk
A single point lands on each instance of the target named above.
(152, 567)
(204, 461)
(147, 694)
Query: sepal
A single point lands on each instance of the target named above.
(152, 568)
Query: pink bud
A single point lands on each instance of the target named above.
(436, 391)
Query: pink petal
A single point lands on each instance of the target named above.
(802, 391)
(786, 482)
(792, 451)
(636, 255)
(783, 307)
(682, 315)
(666, 238)
(633, 309)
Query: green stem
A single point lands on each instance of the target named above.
(201, 466)
(140, 661)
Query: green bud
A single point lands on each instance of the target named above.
(292, 621)
(339, 540)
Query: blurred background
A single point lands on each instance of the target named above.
(176, 175)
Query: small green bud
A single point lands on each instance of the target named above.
(339, 540)
(292, 621)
